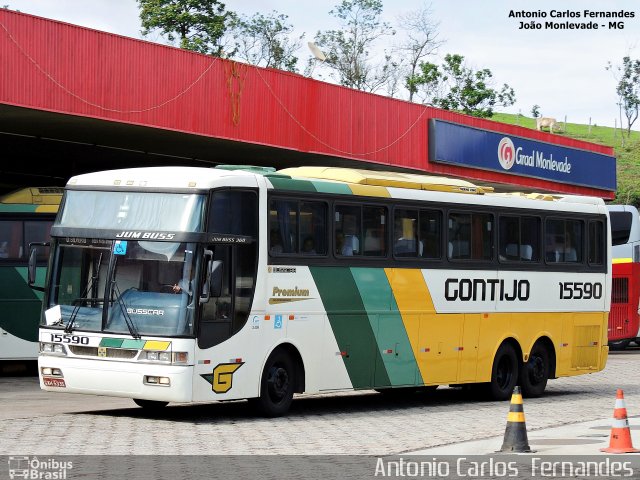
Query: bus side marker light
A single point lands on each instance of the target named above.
(267, 317)
(565, 344)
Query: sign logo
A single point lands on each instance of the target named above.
(120, 247)
(506, 153)
(221, 379)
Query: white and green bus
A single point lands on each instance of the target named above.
(26, 216)
(179, 284)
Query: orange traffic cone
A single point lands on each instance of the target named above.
(620, 439)
(515, 435)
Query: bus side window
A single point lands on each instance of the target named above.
(11, 241)
(596, 243)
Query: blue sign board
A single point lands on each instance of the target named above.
(500, 152)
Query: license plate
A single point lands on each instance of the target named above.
(54, 382)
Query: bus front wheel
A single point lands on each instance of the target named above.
(504, 374)
(276, 386)
(535, 373)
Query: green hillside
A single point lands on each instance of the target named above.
(627, 157)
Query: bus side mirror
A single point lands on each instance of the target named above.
(31, 268)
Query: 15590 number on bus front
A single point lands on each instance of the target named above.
(580, 290)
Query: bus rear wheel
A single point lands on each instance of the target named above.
(277, 385)
(535, 373)
(150, 404)
(504, 374)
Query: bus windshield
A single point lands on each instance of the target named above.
(128, 287)
(132, 210)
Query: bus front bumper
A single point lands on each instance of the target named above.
(167, 383)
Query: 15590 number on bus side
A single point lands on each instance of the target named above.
(580, 290)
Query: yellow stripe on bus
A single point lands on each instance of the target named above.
(47, 208)
(621, 260)
(369, 190)
(156, 345)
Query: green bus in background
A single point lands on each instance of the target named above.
(26, 216)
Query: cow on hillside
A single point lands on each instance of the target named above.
(546, 122)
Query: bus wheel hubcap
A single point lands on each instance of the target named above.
(278, 382)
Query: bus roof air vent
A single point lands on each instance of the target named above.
(387, 179)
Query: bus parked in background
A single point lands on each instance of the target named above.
(180, 284)
(26, 216)
(624, 318)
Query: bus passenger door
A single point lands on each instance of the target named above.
(233, 215)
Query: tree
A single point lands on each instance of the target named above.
(347, 49)
(628, 89)
(422, 41)
(265, 41)
(535, 111)
(198, 25)
(455, 86)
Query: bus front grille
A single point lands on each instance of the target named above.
(121, 353)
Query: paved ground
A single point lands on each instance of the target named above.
(34, 422)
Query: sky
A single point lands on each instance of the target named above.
(562, 71)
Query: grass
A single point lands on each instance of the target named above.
(627, 156)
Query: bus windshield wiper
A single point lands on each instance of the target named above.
(77, 303)
(127, 319)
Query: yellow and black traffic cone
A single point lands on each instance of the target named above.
(515, 435)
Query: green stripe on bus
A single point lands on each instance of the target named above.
(18, 208)
(111, 342)
(328, 187)
(291, 184)
(397, 356)
(350, 324)
(134, 344)
(21, 305)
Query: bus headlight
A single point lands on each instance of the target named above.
(179, 358)
(52, 348)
